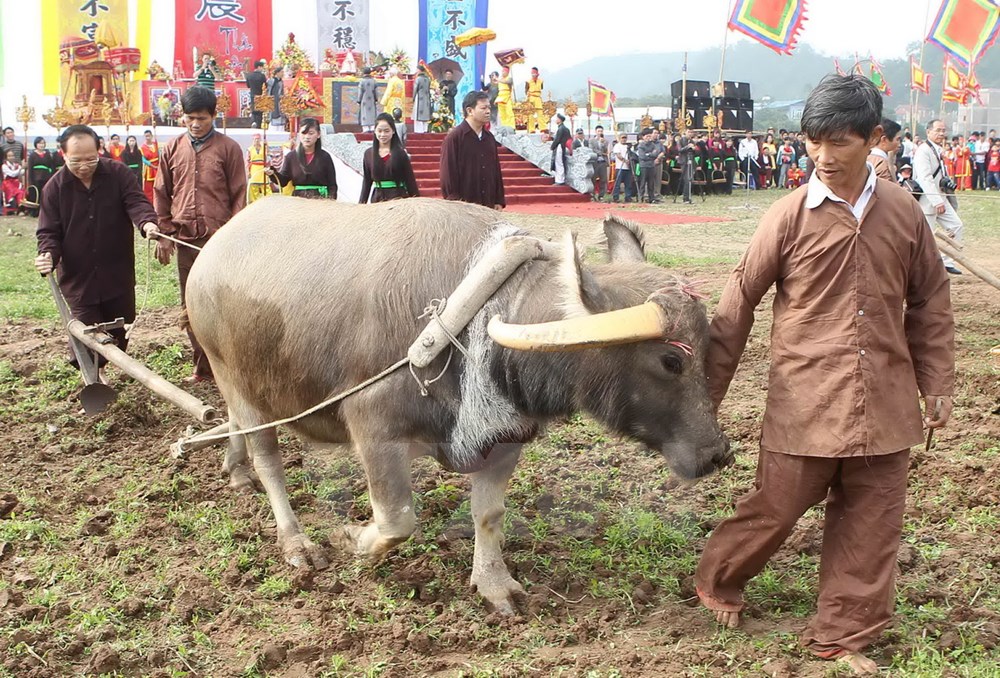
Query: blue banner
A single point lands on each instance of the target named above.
(440, 22)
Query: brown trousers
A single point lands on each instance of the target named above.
(185, 260)
(865, 499)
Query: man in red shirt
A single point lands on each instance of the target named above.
(993, 167)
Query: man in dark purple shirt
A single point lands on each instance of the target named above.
(470, 163)
(85, 227)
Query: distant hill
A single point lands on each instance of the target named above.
(647, 77)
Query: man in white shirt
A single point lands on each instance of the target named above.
(622, 170)
(929, 172)
(982, 147)
(748, 153)
(883, 155)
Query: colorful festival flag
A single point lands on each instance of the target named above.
(878, 78)
(956, 85)
(972, 89)
(965, 29)
(509, 57)
(858, 70)
(774, 23)
(602, 99)
(920, 79)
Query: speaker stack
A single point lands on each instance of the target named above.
(733, 101)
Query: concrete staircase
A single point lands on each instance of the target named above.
(523, 182)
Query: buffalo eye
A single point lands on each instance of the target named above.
(672, 363)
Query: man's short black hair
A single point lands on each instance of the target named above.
(147, 131)
(890, 128)
(599, 127)
(78, 131)
(198, 99)
(842, 104)
(8, 129)
(471, 99)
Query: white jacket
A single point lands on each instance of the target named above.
(926, 161)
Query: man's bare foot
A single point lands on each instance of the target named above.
(730, 620)
(859, 663)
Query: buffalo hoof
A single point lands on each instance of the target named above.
(299, 552)
(243, 478)
(501, 592)
(365, 540)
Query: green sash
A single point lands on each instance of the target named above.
(322, 190)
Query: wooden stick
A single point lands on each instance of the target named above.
(185, 445)
(206, 414)
(975, 269)
(482, 281)
(947, 239)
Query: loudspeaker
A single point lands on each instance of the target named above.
(736, 90)
(730, 118)
(695, 88)
(745, 120)
(699, 102)
(727, 102)
(746, 104)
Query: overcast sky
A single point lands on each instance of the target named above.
(555, 35)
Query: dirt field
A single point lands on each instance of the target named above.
(116, 559)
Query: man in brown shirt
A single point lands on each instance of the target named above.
(85, 228)
(862, 323)
(200, 185)
(470, 163)
(883, 154)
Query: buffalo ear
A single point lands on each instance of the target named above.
(571, 279)
(626, 243)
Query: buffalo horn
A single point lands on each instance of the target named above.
(625, 326)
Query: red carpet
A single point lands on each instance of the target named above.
(596, 210)
(523, 182)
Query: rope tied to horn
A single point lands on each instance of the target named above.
(434, 310)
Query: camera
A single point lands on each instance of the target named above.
(948, 185)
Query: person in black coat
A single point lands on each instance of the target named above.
(132, 157)
(256, 81)
(387, 167)
(41, 165)
(309, 167)
(560, 146)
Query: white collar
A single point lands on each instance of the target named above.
(817, 192)
(879, 152)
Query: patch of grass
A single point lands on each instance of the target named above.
(19, 529)
(169, 362)
(274, 587)
(672, 261)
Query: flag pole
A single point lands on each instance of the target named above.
(684, 95)
(914, 94)
(722, 62)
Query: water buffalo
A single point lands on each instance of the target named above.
(296, 300)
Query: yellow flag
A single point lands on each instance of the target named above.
(75, 20)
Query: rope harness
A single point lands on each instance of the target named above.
(432, 310)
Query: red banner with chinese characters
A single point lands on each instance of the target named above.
(233, 30)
